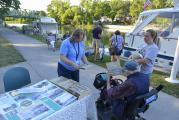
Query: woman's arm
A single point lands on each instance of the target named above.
(120, 91)
(143, 61)
(84, 60)
(67, 61)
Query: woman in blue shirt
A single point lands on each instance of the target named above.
(72, 52)
(117, 42)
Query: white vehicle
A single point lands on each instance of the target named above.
(46, 25)
(168, 33)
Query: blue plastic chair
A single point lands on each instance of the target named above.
(16, 78)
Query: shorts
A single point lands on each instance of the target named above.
(96, 43)
(117, 52)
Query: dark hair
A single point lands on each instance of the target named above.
(77, 33)
(153, 33)
(117, 32)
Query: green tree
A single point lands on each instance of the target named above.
(86, 6)
(161, 3)
(96, 10)
(42, 13)
(57, 8)
(106, 8)
(119, 9)
(136, 8)
(10, 4)
(5, 5)
(77, 15)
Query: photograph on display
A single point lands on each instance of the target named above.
(65, 99)
(52, 87)
(42, 84)
(10, 108)
(54, 94)
(2, 117)
(45, 86)
(18, 98)
(72, 87)
(7, 103)
(34, 111)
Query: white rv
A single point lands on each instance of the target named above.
(46, 25)
(166, 23)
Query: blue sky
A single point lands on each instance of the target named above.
(40, 4)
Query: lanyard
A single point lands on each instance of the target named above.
(77, 52)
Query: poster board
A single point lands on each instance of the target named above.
(34, 102)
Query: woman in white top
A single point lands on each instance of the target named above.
(149, 52)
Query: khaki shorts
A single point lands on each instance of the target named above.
(96, 43)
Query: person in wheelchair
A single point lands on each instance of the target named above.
(136, 84)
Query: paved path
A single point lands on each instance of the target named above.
(42, 64)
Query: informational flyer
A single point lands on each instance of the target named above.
(65, 99)
(73, 87)
(114, 68)
(34, 102)
(36, 111)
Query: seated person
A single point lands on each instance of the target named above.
(136, 84)
(51, 40)
(66, 35)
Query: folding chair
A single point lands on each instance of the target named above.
(16, 78)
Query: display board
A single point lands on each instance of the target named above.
(34, 102)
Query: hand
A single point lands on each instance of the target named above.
(76, 66)
(87, 63)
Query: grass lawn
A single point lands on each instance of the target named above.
(8, 54)
(157, 77)
(38, 37)
(41, 39)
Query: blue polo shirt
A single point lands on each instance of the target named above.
(74, 51)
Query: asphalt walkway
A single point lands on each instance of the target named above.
(42, 64)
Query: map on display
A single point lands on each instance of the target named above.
(34, 102)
